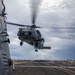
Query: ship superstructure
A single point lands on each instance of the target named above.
(5, 67)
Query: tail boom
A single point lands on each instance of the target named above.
(46, 47)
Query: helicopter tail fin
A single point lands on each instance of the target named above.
(46, 47)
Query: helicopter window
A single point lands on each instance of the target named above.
(30, 33)
(20, 29)
(42, 42)
(39, 33)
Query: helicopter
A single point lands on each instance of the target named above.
(30, 35)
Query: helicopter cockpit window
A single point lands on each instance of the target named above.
(42, 42)
(20, 29)
(39, 33)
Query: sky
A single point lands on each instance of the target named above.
(51, 13)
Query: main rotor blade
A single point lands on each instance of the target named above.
(15, 24)
(34, 7)
(58, 27)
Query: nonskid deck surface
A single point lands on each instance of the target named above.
(44, 68)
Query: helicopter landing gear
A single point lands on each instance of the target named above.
(21, 43)
(36, 50)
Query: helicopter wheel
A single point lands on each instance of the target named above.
(21, 43)
(36, 50)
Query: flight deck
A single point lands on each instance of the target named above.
(44, 67)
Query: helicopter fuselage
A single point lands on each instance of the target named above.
(31, 36)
